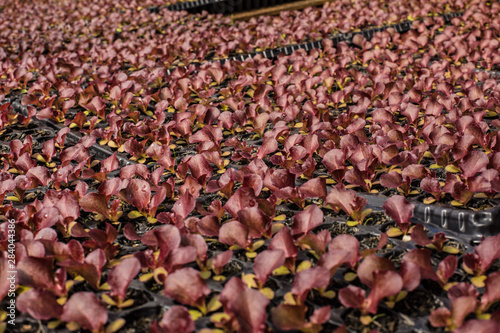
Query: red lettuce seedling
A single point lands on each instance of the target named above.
(343, 249)
(200, 169)
(7, 184)
(277, 179)
(283, 241)
(171, 255)
(234, 232)
(492, 294)
(458, 189)
(90, 269)
(98, 203)
(241, 199)
(402, 180)
(347, 200)
(401, 211)
(437, 242)
(315, 243)
(334, 160)
(239, 235)
(265, 263)
(385, 283)
(138, 193)
(187, 286)
(175, 320)
(246, 307)
(258, 223)
(39, 273)
(454, 317)
(85, 309)
(477, 264)
(40, 304)
(473, 163)
(306, 220)
(293, 317)
(479, 326)
(421, 258)
(431, 185)
(306, 280)
(107, 165)
(462, 289)
(66, 204)
(182, 208)
(99, 239)
(119, 278)
(372, 264)
(217, 264)
(225, 184)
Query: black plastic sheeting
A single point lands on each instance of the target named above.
(220, 6)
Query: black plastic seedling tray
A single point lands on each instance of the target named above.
(466, 224)
(470, 223)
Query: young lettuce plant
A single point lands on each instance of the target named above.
(476, 264)
(306, 279)
(314, 188)
(401, 211)
(293, 317)
(382, 282)
(419, 237)
(99, 239)
(40, 304)
(306, 220)
(138, 194)
(480, 326)
(491, 295)
(238, 235)
(48, 152)
(463, 297)
(176, 319)
(100, 203)
(187, 287)
(341, 198)
(342, 250)
(402, 179)
(84, 310)
(417, 262)
(171, 255)
(283, 241)
(90, 268)
(67, 208)
(462, 187)
(217, 264)
(119, 278)
(265, 263)
(244, 308)
(250, 221)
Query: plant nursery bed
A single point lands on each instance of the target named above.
(331, 169)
